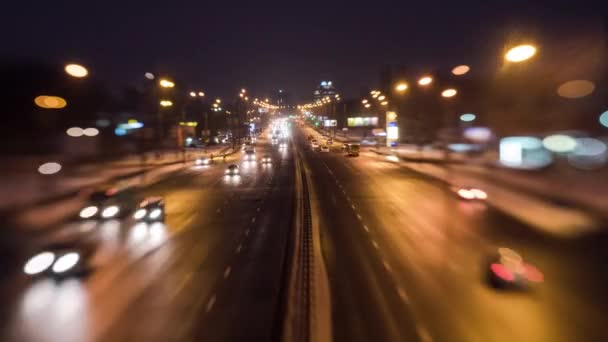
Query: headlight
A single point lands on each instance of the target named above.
(206, 161)
(110, 211)
(155, 213)
(39, 263)
(479, 194)
(88, 212)
(139, 214)
(227, 172)
(66, 262)
(198, 162)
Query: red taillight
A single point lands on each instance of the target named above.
(502, 272)
(533, 274)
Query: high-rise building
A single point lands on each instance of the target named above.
(326, 88)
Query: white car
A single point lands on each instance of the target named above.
(314, 144)
(232, 170)
(324, 148)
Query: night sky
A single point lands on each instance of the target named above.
(220, 47)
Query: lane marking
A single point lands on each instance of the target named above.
(386, 265)
(219, 210)
(359, 217)
(375, 244)
(227, 272)
(366, 228)
(253, 220)
(247, 232)
(258, 209)
(403, 295)
(353, 206)
(425, 336)
(210, 303)
(238, 249)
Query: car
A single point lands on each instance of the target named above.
(470, 194)
(314, 144)
(202, 161)
(283, 145)
(274, 141)
(250, 155)
(151, 209)
(344, 147)
(352, 150)
(108, 202)
(232, 170)
(507, 269)
(329, 141)
(324, 148)
(266, 159)
(61, 260)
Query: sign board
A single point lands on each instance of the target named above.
(392, 129)
(362, 121)
(331, 123)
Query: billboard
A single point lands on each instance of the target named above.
(331, 123)
(392, 130)
(359, 121)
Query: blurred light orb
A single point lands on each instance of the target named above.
(449, 93)
(478, 134)
(192, 94)
(589, 154)
(50, 102)
(559, 143)
(575, 89)
(119, 131)
(91, 132)
(49, 168)
(604, 119)
(520, 53)
(75, 132)
(149, 75)
(402, 86)
(166, 103)
(76, 70)
(102, 123)
(201, 94)
(468, 117)
(39, 263)
(426, 80)
(461, 70)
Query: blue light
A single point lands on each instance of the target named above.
(468, 117)
(120, 131)
(604, 119)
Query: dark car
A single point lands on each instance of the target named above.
(232, 170)
(61, 260)
(507, 269)
(108, 202)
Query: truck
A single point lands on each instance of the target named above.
(352, 150)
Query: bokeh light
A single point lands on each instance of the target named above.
(91, 132)
(589, 154)
(49, 168)
(426, 80)
(76, 70)
(604, 119)
(520, 53)
(50, 102)
(149, 75)
(575, 89)
(559, 143)
(468, 117)
(449, 93)
(461, 70)
(400, 87)
(75, 132)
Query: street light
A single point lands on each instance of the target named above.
(426, 80)
(364, 101)
(192, 94)
(520, 53)
(401, 87)
(243, 90)
(384, 103)
(367, 105)
(381, 98)
(76, 70)
(201, 94)
(461, 70)
(218, 100)
(166, 83)
(449, 92)
(166, 103)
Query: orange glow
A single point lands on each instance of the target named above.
(426, 80)
(520, 53)
(461, 70)
(50, 102)
(166, 83)
(449, 92)
(401, 87)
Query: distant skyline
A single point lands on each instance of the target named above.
(219, 48)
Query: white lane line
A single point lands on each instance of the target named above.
(219, 210)
(348, 198)
(238, 249)
(258, 209)
(386, 265)
(375, 244)
(403, 295)
(424, 334)
(366, 228)
(359, 217)
(253, 220)
(227, 272)
(353, 206)
(247, 232)
(210, 303)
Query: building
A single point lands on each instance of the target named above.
(326, 88)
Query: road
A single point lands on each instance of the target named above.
(406, 261)
(213, 272)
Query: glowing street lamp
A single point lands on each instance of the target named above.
(367, 105)
(364, 101)
(426, 80)
(384, 103)
(166, 83)
(449, 93)
(461, 70)
(192, 94)
(218, 100)
(381, 98)
(76, 70)
(401, 87)
(201, 94)
(166, 103)
(520, 53)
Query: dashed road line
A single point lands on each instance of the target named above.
(402, 294)
(238, 249)
(375, 244)
(366, 228)
(386, 265)
(424, 334)
(219, 210)
(227, 272)
(258, 209)
(247, 232)
(359, 217)
(353, 206)
(210, 303)
(253, 220)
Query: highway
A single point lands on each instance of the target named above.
(212, 273)
(407, 261)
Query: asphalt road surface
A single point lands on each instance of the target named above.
(212, 273)
(406, 261)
